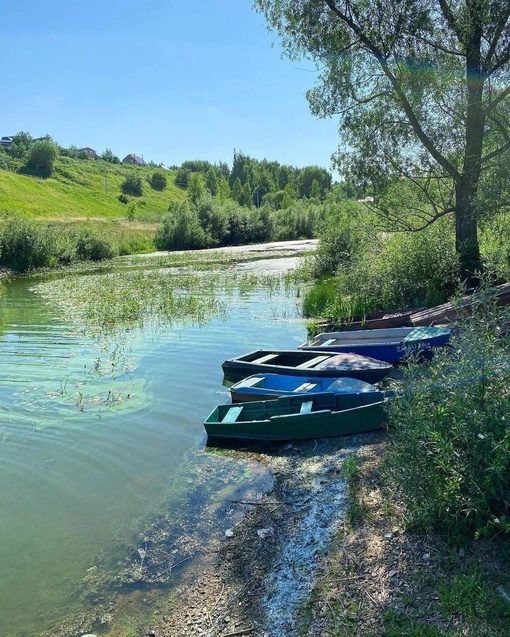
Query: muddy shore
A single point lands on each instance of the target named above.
(258, 576)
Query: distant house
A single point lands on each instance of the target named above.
(90, 152)
(134, 160)
(6, 141)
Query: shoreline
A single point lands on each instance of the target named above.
(257, 578)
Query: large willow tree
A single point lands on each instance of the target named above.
(420, 88)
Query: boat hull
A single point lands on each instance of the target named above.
(392, 345)
(272, 386)
(325, 364)
(297, 418)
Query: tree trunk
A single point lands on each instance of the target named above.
(466, 227)
(466, 230)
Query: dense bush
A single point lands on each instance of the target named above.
(388, 272)
(158, 180)
(401, 270)
(449, 448)
(344, 234)
(301, 220)
(26, 245)
(132, 185)
(495, 247)
(41, 158)
(92, 247)
(181, 230)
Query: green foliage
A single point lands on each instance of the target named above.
(407, 270)
(158, 180)
(182, 178)
(213, 219)
(132, 185)
(91, 247)
(495, 247)
(400, 625)
(223, 191)
(26, 245)
(20, 145)
(386, 272)
(411, 108)
(123, 198)
(449, 449)
(110, 157)
(211, 181)
(237, 190)
(41, 158)
(299, 221)
(71, 152)
(470, 596)
(345, 233)
(181, 230)
(326, 299)
(131, 211)
(196, 188)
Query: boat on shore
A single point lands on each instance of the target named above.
(300, 417)
(369, 321)
(326, 364)
(392, 345)
(272, 386)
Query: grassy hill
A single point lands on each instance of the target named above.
(87, 189)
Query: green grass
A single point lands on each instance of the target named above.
(81, 189)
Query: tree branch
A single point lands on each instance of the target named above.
(381, 59)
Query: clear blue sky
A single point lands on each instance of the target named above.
(167, 80)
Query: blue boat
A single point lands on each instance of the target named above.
(392, 345)
(272, 386)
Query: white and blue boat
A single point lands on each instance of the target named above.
(272, 386)
(392, 345)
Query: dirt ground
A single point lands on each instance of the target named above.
(301, 562)
(259, 579)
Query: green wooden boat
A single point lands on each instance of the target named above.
(300, 417)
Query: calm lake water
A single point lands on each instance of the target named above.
(98, 437)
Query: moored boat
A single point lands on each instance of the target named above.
(305, 363)
(392, 345)
(272, 386)
(301, 417)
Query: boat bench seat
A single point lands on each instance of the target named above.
(232, 414)
(305, 387)
(330, 341)
(249, 382)
(306, 407)
(313, 361)
(265, 359)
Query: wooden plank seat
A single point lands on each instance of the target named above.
(232, 414)
(306, 407)
(249, 382)
(305, 387)
(265, 359)
(313, 361)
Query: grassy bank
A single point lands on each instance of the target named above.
(381, 578)
(85, 189)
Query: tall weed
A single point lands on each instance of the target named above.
(389, 272)
(449, 446)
